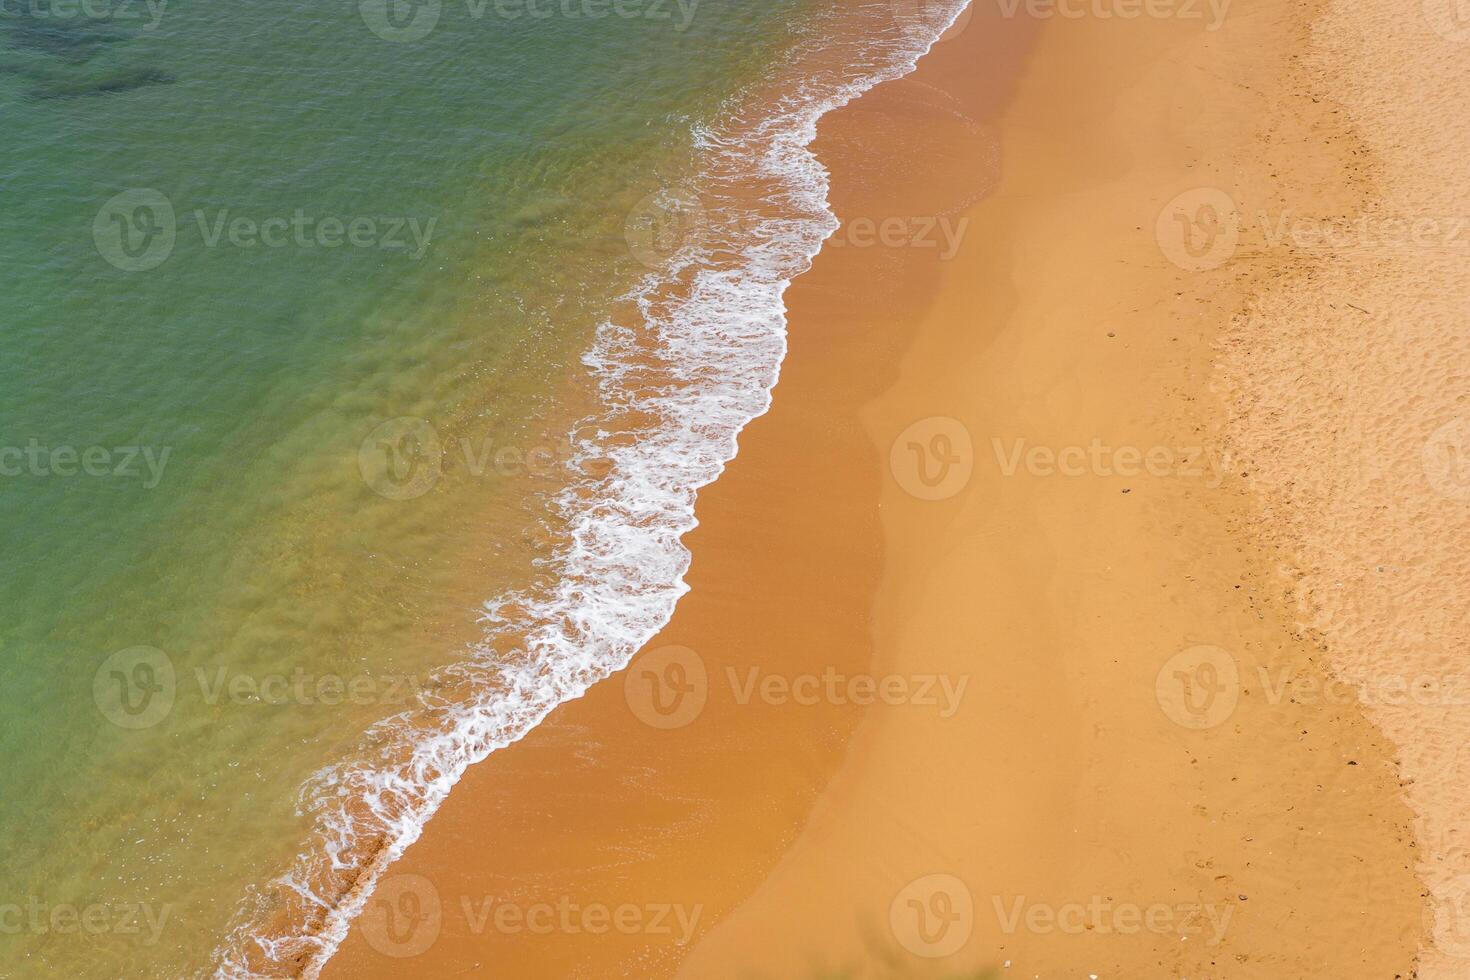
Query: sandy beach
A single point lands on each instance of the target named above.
(1029, 631)
(1347, 394)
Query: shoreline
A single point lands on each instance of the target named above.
(646, 359)
(1073, 772)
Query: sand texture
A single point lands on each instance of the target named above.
(1349, 385)
(1115, 498)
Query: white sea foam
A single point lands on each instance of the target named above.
(694, 365)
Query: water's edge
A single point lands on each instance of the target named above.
(678, 380)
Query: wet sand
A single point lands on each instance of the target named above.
(947, 695)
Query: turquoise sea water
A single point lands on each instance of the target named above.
(217, 370)
(359, 364)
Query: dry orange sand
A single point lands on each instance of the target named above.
(1109, 750)
(1349, 385)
